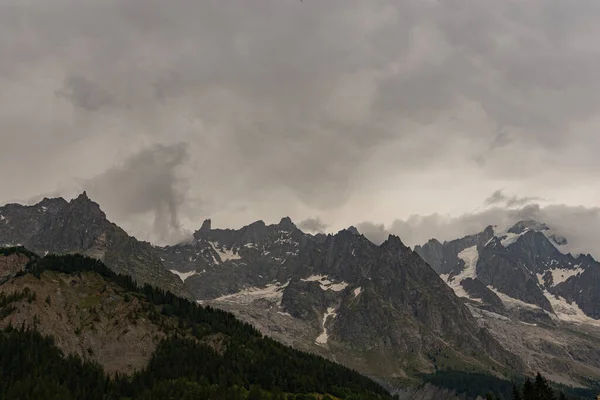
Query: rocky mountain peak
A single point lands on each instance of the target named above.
(521, 226)
(526, 263)
(394, 244)
(489, 231)
(53, 202)
(86, 206)
(585, 258)
(258, 227)
(433, 242)
(80, 226)
(286, 224)
(352, 229)
(206, 226)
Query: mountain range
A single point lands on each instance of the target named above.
(386, 310)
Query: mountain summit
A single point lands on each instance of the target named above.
(80, 226)
(526, 262)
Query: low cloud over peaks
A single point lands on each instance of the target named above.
(313, 224)
(145, 184)
(580, 225)
(499, 198)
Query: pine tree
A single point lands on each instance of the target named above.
(516, 393)
(543, 391)
(528, 390)
(255, 393)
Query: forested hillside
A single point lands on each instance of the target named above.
(188, 363)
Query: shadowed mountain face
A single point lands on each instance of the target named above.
(380, 309)
(80, 226)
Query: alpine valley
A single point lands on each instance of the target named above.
(503, 303)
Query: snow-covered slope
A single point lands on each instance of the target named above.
(524, 265)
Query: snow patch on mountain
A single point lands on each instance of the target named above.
(560, 275)
(326, 283)
(273, 292)
(357, 291)
(285, 238)
(183, 275)
(569, 312)
(324, 337)
(481, 313)
(285, 314)
(224, 254)
(470, 256)
(511, 238)
(507, 238)
(563, 311)
(511, 302)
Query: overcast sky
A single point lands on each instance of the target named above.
(433, 118)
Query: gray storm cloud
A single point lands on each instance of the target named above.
(313, 224)
(580, 225)
(295, 105)
(145, 184)
(499, 198)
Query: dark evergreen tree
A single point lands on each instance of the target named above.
(528, 390)
(516, 393)
(542, 389)
(562, 396)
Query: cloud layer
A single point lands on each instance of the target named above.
(146, 184)
(580, 225)
(343, 109)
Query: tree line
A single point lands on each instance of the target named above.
(473, 385)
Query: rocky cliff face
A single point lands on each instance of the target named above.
(11, 264)
(80, 226)
(339, 295)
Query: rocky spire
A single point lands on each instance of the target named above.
(286, 224)
(206, 225)
(86, 207)
(393, 244)
(353, 230)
